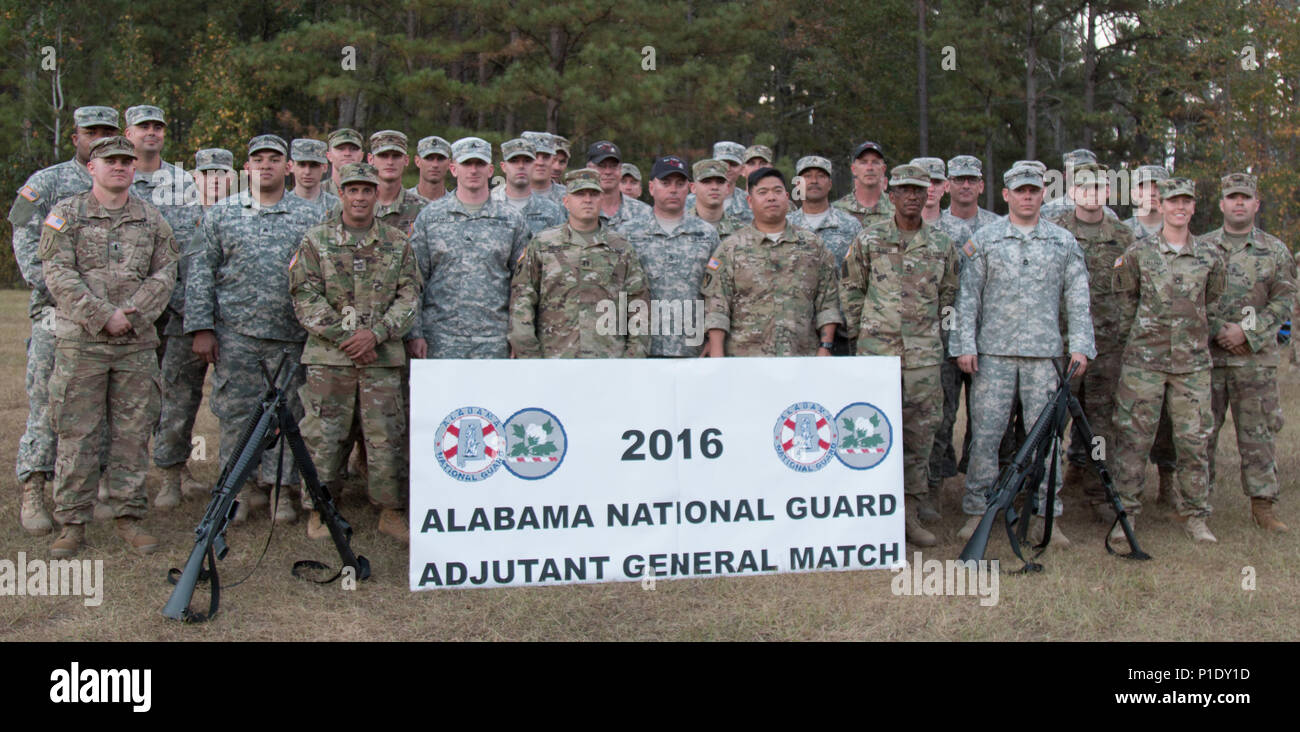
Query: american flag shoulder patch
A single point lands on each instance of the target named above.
(1119, 261)
(969, 248)
(31, 194)
(713, 263)
(54, 222)
(294, 260)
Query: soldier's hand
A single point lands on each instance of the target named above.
(1230, 337)
(417, 348)
(368, 357)
(360, 342)
(1080, 359)
(823, 351)
(205, 346)
(1242, 350)
(117, 323)
(969, 363)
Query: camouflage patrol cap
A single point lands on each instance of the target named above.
(812, 161)
(1024, 173)
(386, 140)
(965, 166)
(471, 148)
(541, 142)
(603, 150)
(582, 179)
(909, 175)
(144, 113)
(1075, 158)
(434, 145)
(934, 166)
(511, 149)
(709, 168)
(358, 173)
(1174, 187)
(632, 170)
(729, 152)
(268, 142)
(214, 158)
(307, 150)
(114, 146)
(1239, 183)
(1146, 173)
(344, 136)
(562, 144)
(1090, 174)
(1029, 163)
(758, 151)
(96, 117)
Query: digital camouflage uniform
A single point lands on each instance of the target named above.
(325, 202)
(562, 277)
(540, 212)
(97, 261)
(1102, 244)
(1258, 295)
(771, 298)
(882, 211)
(893, 294)
(628, 211)
(1139, 229)
(1164, 294)
(674, 267)
(341, 283)
(836, 231)
(1008, 312)
(735, 206)
(465, 263)
(238, 287)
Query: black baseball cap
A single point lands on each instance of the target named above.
(762, 173)
(868, 145)
(603, 150)
(669, 165)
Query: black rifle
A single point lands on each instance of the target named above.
(269, 425)
(1026, 472)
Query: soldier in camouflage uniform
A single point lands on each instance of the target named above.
(560, 163)
(1103, 240)
(835, 227)
(734, 202)
(965, 186)
(355, 288)
(932, 213)
(539, 174)
(563, 299)
(183, 370)
(466, 245)
(616, 209)
(1146, 219)
(708, 194)
(237, 304)
(433, 159)
(1166, 286)
(1258, 297)
(755, 157)
(673, 248)
(110, 265)
(344, 147)
(898, 277)
(630, 183)
(395, 206)
(309, 165)
(1058, 207)
(867, 201)
(36, 449)
(517, 163)
(771, 289)
(1016, 274)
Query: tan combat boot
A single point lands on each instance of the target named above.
(69, 542)
(968, 529)
(128, 527)
(33, 515)
(1196, 528)
(393, 522)
(916, 533)
(191, 486)
(1261, 509)
(253, 497)
(1036, 526)
(931, 509)
(169, 493)
(283, 512)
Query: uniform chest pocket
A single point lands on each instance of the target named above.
(92, 248)
(137, 248)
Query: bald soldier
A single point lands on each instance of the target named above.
(44, 189)
(567, 281)
(110, 265)
(433, 159)
(1258, 297)
(867, 201)
(898, 277)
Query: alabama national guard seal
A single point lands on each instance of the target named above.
(805, 437)
(469, 444)
(865, 436)
(535, 443)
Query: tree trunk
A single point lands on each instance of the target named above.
(922, 93)
(557, 52)
(988, 152)
(1089, 74)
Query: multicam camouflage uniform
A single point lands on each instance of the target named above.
(772, 298)
(837, 230)
(557, 291)
(97, 261)
(674, 264)
(341, 283)
(893, 294)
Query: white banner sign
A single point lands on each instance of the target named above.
(546, 472)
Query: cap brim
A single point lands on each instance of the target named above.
(272, 148)
(965, 173)
(729, 159)
(575, 187)
(159, 120)
(367, 181)
(909, 182)
(473, 156)
(311, 159)
(603, 157)
(204, 168)
(387, 148)
(1238, 189)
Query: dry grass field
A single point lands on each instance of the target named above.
(1187, 592)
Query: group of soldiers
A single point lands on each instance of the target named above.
(144, 275)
